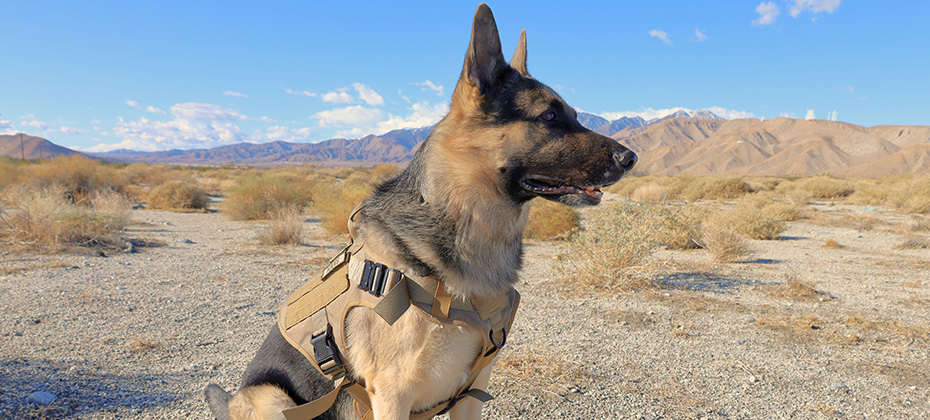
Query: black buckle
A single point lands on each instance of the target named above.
(375, 278)
(324, 350)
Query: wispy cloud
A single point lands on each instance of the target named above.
(850, 89)
(150, 109)
(768, 13)
(236, 94)
(338, 96)
(700, 36)
(662, 35)
(70, 130)
(368, 94)
(6, 127)
(813, 6)
(730, 114)
(429, 85)
(300, 92)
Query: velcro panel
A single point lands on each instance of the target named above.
(317, 298)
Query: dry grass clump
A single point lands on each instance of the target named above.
(383, 171)
(765, 204)
(650, 192)
(615, 240)
(819, 187)
(722, 240)
(260, 197)
(539, 369)
(550, 221)
(794, 288)
(795, 326)
(903, 192)
(757, 223)
(79, 176)
(830, 243)
(336, 200)
(285, 228)
(178, 195)
(45, 219)
(716, 188)
(682, 228)
(913, 241)
(141, 345)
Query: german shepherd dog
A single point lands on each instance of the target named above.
(457, 212)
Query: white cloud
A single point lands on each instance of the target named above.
(368, 94)
(71, 130)
(809, 115)
(813, 6)
(133, 104)
(850, 89)
(301, 92)
(281, 133)
(700, 36)
(650, 113)
(6, 127)
(205, 112)
(646, 114)
(154, 110)
(357, 115)
(768, 12)
(358, 120)
(267, 119)
(338, 96)
(662, 35)
(95, 121)
(730, 114)
(38, 125)
(236, 94)
(429, 85)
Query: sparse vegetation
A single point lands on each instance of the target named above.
(830, 243)
(285, 228)
(260, 197)
(794, 288)
(722, 241)
(550, 221)
(178, 195)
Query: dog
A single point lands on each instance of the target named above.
(457, 212)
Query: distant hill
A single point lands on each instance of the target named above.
(397, 146)
(34, 147)
(781, 146)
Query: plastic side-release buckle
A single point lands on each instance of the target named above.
(324, 349)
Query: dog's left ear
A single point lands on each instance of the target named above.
(483, 60)
(518, 61)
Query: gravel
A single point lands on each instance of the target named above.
(141, 334)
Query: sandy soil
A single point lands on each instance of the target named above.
(139, 335)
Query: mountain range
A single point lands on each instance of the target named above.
(697, 142)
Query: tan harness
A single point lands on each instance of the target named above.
(313, 321)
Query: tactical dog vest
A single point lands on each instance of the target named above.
(313, 321)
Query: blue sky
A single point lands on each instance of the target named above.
(180, 74)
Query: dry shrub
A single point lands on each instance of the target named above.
(921, 224)
(651, 192)
(681, 229)
(260, 197)
(285, 228)
(820, 187)
(794, 288)
(615, 240)
(721, 239)
(335, 201)
(903, 192)
(754, 223)
(178, 195)
(44, 219)
(716, 188)
(550, 221)
(830, 243)
(382, 172)
(764, 203)
(79, 176)
(10, 171)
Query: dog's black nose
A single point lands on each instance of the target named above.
(625, 159)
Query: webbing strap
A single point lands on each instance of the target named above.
(318, 406)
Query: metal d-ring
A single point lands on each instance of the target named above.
(503, 340)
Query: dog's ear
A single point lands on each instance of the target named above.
(518, 61)
(484, 60)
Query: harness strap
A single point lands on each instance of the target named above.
(318, 406)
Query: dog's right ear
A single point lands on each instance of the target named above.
(483, 61)
(518, 61)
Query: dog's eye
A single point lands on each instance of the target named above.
(548, 116)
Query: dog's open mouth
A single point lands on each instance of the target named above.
(545, 186)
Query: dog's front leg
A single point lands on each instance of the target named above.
(387, 404)
(470, 408)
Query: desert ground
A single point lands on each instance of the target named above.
(139, 335)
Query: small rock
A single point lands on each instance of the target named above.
(624, 323)
(838, 386)
(188, 241)
(121, 287)
(750, 320)
(753, 379)
(130, 249)
(41, 398)
(651, 312)
(740, 341)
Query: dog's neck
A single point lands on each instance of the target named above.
(439, 221)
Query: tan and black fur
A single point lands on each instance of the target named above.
(456, 212)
